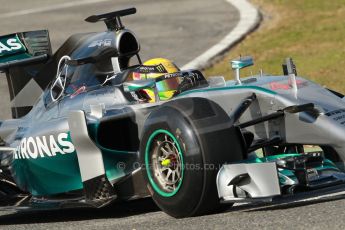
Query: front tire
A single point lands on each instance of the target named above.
(184, 144)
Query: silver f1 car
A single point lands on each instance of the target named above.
(89, 141)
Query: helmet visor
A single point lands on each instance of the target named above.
(162, 86)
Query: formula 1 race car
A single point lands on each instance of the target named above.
(84, 133)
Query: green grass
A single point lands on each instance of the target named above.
(312, 32)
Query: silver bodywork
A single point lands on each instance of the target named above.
(273, 93)
(261, 181)
(87, 151)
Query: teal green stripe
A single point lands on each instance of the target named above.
(229, 88)
(13, 57)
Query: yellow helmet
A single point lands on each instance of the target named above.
(154, 68)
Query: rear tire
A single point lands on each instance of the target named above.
(8, 191)
(189, 139)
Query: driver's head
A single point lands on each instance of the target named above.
(154, 68)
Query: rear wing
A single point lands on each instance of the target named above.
(22, 56)
(24, 48)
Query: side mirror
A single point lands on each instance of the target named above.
(289, 67)
(133, 86)
(241, 63)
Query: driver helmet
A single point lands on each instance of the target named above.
(154, 68)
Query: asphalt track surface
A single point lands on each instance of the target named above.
(180, 30)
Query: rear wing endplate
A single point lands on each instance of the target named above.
(24, 48)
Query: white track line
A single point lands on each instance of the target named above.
(249, 19)
(50, 8)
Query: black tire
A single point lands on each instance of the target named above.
(8, 191)
(202, 133)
